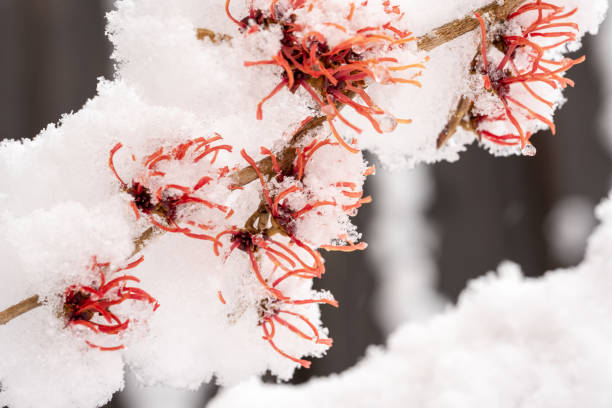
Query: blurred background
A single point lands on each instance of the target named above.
(430, 230)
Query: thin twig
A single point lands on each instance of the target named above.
(465, 103)
(285, 158)
(463, 107)
(144, 238)
(213, 36)
(439, 36)
(19, 309)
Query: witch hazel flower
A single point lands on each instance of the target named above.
(303, 262)
(278, 258)
(92, 306)
(524, 73)
(274, 311)
(332, 50)
(314, 199)
(277, 264)
(173, 180)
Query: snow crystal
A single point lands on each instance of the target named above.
(43, 364)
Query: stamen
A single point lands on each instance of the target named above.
(82, 303)
(227, 11)
(111, 164)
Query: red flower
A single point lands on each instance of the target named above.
(271, 308)
(282, 256)
(334, 75)
(278, 206)
(161, 204)
(286, 260)
(83, 304)
(272, 312)
(500, 79)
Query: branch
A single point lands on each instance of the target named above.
(428, 42)
(464, 106)
(457, 28)
(285, 158)
(19, 309)
(141, 241)
(441, 35)
(214, 37)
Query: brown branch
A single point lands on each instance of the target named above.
(428, 42)
(457, 28)
(19, 309)
(144, 238)
(285, 158)
(439, 36)
(463, 107)
(214, 37)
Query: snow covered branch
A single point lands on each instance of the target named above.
(441, 35)
(456, 28)
(243, 153)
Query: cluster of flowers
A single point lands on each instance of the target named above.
(278, 250)
(242, 227)
(333, 69)
(289, 257)
(523, 66)
(177, 208)
(161, 202)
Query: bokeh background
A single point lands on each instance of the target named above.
(430, 230)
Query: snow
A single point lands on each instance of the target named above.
(403, 251)
(136, 396)
(193, 335)
(62, 206)
(567, 228)
(44, 365)
(49, 251)
(510, 341)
